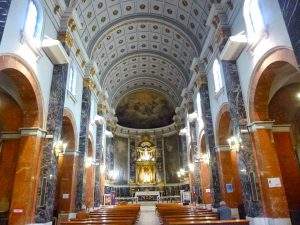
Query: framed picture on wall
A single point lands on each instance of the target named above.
(229, 188)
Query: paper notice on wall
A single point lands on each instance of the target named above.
(65, 196)
(17, 210)
(274, 182)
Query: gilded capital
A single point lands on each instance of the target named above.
(66, 38)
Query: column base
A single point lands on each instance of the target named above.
(269, 221)
(235, 213)
(49, 223)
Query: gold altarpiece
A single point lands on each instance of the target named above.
(146, 163)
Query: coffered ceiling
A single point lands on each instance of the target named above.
(143, 44)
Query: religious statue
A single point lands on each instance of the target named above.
(146, 163)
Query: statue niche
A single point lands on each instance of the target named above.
(146, 164)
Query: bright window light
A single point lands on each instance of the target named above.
(217, 76)
(31, 20)
(72, 80)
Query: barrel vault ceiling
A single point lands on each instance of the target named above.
(143, 44)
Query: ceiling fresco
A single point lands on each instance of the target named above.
(144, 109)
(143, 44)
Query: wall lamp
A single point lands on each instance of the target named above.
(181, 173)
(102, 168)
(205, 158)
(191, 167)
(59, 147)
(234, 143)
(88, 162)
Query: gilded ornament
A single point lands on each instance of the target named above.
(66, 38)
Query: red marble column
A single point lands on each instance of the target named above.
(22, 209)
(67, 182)
(89, 188)
(205, 177)
(268, 167)
(229, 175)
(289, 167)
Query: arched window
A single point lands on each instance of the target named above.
(72, 80)
(217, 76)
(199, 112)
(34, 20)
(253, 19)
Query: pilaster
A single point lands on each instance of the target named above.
(44, 210)
(99, 152)
(290, 11)
(209, 131)
(83, 142)
(246, 159)
(4, 8)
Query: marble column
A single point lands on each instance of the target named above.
(209, 138)
(160, 165)
(132, 159)
(196, 160)
(83, 144)
(4, 8)
(48, 174)
(246, 160)
(99, 149)
(183, 152)
(26, 179)
(290, 11)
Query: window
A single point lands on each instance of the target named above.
(34, 20)
(253, 18)
(72, 80)
(217, 76)
(199, 112)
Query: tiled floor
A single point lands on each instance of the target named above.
(148, 216)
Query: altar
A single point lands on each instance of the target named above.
(147, 195)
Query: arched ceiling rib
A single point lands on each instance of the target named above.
(144, 65)
(143, 43)
(144, 35)
(146, 83)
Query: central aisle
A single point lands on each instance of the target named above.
(148, 216)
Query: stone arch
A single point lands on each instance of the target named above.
(223, 125)
(272, 98)
(262, 78)
(25, 79)
(24, 118)
(69, 115)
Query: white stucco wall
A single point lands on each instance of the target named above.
(40, 65)
(250, 58)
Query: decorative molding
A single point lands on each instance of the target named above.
(282, 128)
(257, 125)
(32, 131)
(66, 38)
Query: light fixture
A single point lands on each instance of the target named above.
(109, 134)
(183, 131)
(298, 95)
(59, 147)
(113, 174)
(181, 173)
(191, 167)
(102, 168)
(234, 143)
(88, 162)
(205, 158)
(192, 116)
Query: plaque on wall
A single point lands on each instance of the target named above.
(65, 196)
(274, 182)
(229, 188)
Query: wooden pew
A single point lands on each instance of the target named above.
(176, 214)
(113, 215)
